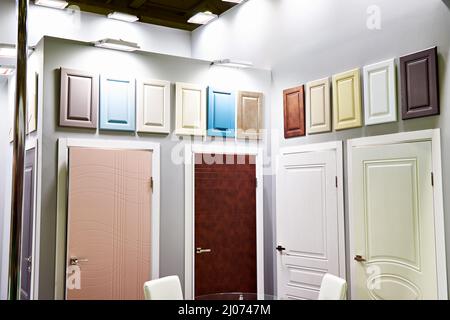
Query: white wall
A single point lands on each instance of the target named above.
(304, 40)
(91, 27)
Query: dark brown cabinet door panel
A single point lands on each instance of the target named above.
(294, 112)
(419, 84)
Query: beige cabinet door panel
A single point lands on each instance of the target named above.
(190, 109)
(249, 115)
(347, 100)
(318, 113)
(153, 106)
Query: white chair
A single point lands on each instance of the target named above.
(333, 288)
(168, 288)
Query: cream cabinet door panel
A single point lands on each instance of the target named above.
(380, 99)
(347, 100)
(392, 222)
(249, 115)
(309, 222)
(190, 109)
(318, 113)
(153, 106)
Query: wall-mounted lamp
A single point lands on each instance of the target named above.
(120, 45)
(123, 17)
(232, 63)
(202, 17)
(55, 4)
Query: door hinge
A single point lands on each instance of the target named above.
(432, 179)
(151, 183)
(336, 180)
(256, 182)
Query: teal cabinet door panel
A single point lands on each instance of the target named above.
(221, 113)
(117, 104)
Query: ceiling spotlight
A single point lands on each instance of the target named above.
(233, 1)
(232, 63)
(203, 17)
(56, 4)
(123, 16)
(117, 45)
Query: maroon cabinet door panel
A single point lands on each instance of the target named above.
(419, 84)
(225, 223)
(294, 112)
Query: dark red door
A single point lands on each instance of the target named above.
(225, 224)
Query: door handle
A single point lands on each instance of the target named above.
(280, 249)
(74, 261)
(359, 258)
(201, 250)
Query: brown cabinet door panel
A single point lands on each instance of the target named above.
(419, 84)
(294, 112)
(225, 222)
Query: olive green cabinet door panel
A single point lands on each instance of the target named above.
(347, 100)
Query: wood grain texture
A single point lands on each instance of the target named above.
(294, 112)
(347, 100)
(318, 107)
(250, 115)
(109, 222)
(79, 99)
(225, 222)
(420, 84)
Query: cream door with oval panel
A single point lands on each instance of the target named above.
(190, 109)
(153, 106)
(392, 230)
(310, 227)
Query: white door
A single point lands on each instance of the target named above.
(309, 222)
(393, 249)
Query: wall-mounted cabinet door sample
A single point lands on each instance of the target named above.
(392, 227)
(318, 113)
(153, 106)
(221, 113)
(117, 104)
(294, 112)
(79, 99)
(190, 109)
(347, 100)
(380, 99)
(420, 88)
(308, 223)
(249, 115)
(109, 223)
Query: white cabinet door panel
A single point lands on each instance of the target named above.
(190, 109)
(153, 106)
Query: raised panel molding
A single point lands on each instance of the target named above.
(347, 100)
(117, 104)
(294, 112)
(190, 109)
(318, 113)
(153, 106)
(79, 99)
(420, 84)
(380, 99)
(221, 113)
(249, 115)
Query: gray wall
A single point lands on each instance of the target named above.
(306, 40)
(63, 53)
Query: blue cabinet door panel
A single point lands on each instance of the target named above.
(221, 113)
(117, 104)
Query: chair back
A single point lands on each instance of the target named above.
(168, 288)
(333, 288)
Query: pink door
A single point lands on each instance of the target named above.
(109, 223)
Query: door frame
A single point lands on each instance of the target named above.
(189, 208)
(434, 136)
(62, 201)
(311, 148)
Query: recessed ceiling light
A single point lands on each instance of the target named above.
(57, 4)
(117, 45)
(123, 17)
(202, 17)
(8, 51)
(233, 1)
(232, 63)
